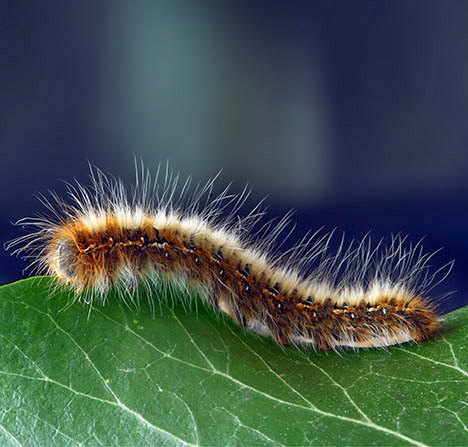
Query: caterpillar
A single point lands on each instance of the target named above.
(108, 238)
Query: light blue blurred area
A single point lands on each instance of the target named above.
(188, 82)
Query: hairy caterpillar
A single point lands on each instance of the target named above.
(108, 238)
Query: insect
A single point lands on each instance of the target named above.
(108, 238)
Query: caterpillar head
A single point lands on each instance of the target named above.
(64, 261)
(74, 265)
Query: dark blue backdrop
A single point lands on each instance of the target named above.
(353, 113)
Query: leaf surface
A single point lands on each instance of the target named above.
(115, 377)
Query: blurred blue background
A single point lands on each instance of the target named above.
(353, 113)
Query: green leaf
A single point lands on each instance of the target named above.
(115, 377)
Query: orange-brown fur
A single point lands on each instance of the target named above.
(353, 298)
(248, 293)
